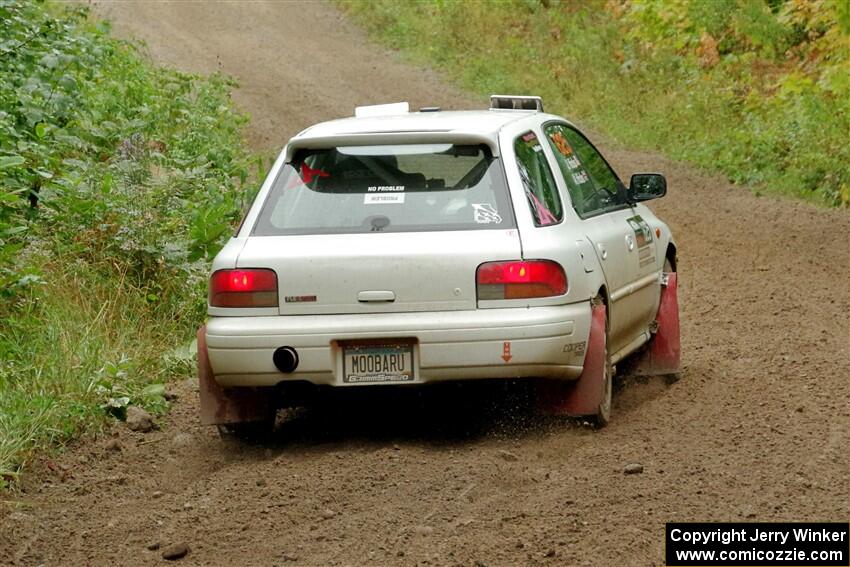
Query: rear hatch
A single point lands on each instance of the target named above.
(378, 273)
(387, 228)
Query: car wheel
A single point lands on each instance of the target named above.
(603, 414)
(246, 431)
(668, 266)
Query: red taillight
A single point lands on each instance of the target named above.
(243, 288)
(520, 279)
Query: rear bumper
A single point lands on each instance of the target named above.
(450, 345)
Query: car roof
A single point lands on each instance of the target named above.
(465, 126)
(482, 122)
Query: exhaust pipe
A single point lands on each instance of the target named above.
(285, 359)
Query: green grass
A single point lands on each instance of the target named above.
(768, 104)
(140, 174)
(87, 348)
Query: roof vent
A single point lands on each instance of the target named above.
(512, 102)
(382, 110)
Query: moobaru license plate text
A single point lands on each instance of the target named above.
(370, 364)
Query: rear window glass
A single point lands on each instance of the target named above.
(387, 188)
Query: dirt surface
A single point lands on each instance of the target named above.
(757, 429)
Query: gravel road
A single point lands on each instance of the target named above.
(757, 429)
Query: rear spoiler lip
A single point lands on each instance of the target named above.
(379, 138)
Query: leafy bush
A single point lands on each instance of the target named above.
(118, 182)
(758, 89)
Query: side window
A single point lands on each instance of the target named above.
(540, 188)
(592, 185)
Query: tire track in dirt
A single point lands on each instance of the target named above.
(758, 428)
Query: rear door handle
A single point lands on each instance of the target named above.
(376, 296)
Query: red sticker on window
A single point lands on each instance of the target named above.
(308, 174)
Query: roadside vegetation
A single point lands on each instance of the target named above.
(118, 182)
(756, 89)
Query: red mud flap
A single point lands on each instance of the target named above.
(583, 396)
(664, 353)
(220, 406)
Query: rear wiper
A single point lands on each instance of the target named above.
(379, 223)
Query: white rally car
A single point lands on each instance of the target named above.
(401, 247)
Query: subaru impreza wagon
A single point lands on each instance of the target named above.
(403, 248)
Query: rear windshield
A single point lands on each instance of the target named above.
(388, 188)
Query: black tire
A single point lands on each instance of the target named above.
(246, 431)
(603, 413)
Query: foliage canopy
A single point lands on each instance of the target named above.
(118, 181)
(757, 89)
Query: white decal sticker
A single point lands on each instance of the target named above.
(485, 213)
(580, 177)
(383, 198)
(384, 188)
(572, 162)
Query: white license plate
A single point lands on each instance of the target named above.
(376, 364)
